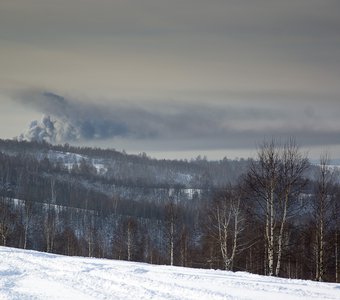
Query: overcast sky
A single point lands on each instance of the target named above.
(173, 78)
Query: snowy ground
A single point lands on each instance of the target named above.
(35, 275)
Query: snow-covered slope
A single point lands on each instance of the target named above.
(35, 275)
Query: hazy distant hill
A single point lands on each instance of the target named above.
(130, 176)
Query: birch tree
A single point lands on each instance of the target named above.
(322, 213)
(293, 164)
(171, 220)
(226, 224)
(275, 181)
(50, 226)
(131, 227)
(336, 217)
(26, 220)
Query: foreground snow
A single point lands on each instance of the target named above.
(35, 275)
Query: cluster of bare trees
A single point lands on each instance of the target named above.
(278, 216)
(281, 218)
(275, 182)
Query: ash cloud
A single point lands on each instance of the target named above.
(180, 125)
(66, 120)
(49, 130)
(40, 131)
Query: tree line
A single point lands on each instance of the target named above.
(280, 218)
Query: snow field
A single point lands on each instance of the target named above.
(35, 275)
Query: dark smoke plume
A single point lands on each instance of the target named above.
(195, 124)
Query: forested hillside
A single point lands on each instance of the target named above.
(275, 215)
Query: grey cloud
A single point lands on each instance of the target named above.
(177, 125)
(160, 44)
(295, 26)
(241, 70)
(67, 120)
(161, 16)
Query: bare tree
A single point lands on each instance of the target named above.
(6, 220)
(131, 231)
(90, 230)
(336, 216)
(226, 224)
(275, 181)
(322, 211)
(50, 225)
(89, 226)
(263, 180)
(184, 244)
(171, 220)
(293, 164)
(27, 216)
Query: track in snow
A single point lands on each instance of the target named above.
(36, 275)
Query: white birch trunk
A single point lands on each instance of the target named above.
(280, 238)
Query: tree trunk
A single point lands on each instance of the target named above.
(321, 251)
(271, 234)
(25, 235)
(280, 238)
(172, 232)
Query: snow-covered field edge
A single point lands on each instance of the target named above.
(26, 274)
